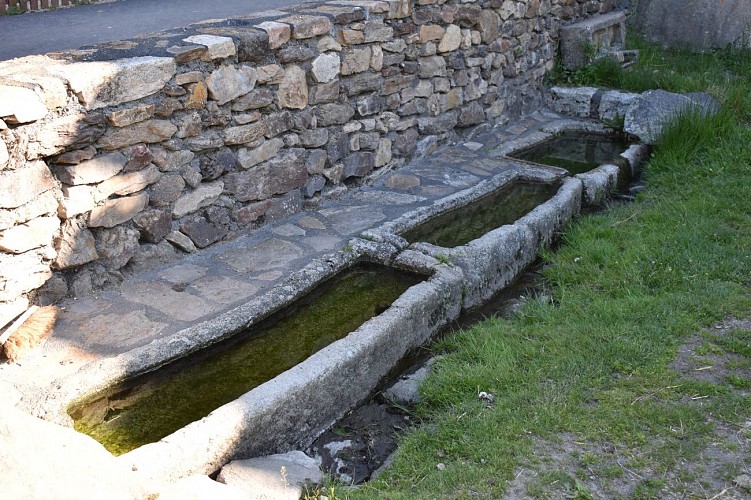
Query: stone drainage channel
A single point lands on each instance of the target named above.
(292, 409)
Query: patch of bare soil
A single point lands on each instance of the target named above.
(361, 442)
(566, 467)
(702, 361)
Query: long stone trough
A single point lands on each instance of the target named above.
(299, 404)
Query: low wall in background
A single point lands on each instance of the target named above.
(694, 24)
(117, 159)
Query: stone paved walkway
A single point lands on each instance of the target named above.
(199, 288)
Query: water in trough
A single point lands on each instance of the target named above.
(503, 206)
(577, 152)
(153, 405)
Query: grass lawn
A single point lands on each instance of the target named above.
(633, 378)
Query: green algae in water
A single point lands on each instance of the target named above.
(153, 405)
(503, 206)
(577, 152)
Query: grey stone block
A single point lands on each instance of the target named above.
(281, 476)
(648, 116)
(598, 33)
(405, 391)
(614, 105)
(571, 101)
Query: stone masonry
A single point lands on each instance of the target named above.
(118, 158)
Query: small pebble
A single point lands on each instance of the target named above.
(743, 481)
(484, 396)
(440, 466)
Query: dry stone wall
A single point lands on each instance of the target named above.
(122, 156)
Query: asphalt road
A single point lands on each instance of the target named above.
(72, 28)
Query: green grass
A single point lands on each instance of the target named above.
(629, 286)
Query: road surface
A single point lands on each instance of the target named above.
(72, 28)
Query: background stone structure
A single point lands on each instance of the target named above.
(694, 24)
(127, 155)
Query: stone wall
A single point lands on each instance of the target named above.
(130, 154)
(694, 24)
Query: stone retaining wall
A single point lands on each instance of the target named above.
(123, 156)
